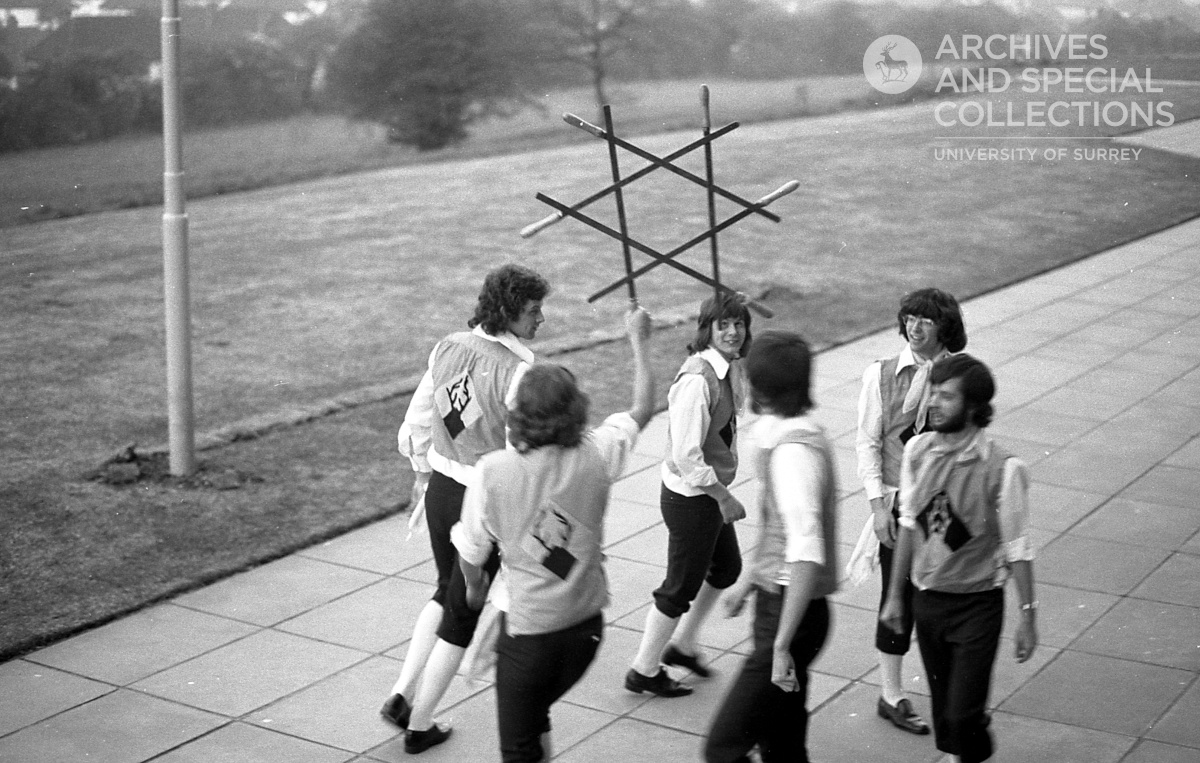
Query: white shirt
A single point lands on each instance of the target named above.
(798, 476)
(869, 441)
(415, 438)
(688, 418)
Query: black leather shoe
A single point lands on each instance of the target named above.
(397, 710)
(416, 742)
(681, 660)
(903, 716)
(660, 684)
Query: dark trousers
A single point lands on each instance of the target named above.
(701, 547)
(532, 672)
(443, 507)
(756, 711)
(958, 634)
(887, 640)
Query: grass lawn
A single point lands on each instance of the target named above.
(127, 172)
(307, 291)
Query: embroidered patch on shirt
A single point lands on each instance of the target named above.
(938, 518)
(549, 539)
(457, 405)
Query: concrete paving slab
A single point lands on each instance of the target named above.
(34, 692)
(626, 739)
(372, 619)
(1166, 484)
(1057, 508)
(1141, 523)
(1178, 725)
(277, 591)
(1177, 581)
(1064, 613)
(1079, 689)
(247, 674)
(1096, 565)
(848, 730)
(142, 644)
(1146, 631)
(121, 727)
(379, 547)
(1031, 740)
(625, 519)
(242, 743)
(1157, 752)
(340, 711)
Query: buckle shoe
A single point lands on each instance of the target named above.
(659, 684)
(903, 716)
(674, 656)
(397, 710)
(416, 742)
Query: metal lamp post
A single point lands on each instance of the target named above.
(180, 417)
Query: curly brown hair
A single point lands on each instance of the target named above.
(505, 292)
(550, 409)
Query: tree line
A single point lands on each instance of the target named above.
(427, 69)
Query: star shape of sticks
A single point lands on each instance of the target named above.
(621, 234)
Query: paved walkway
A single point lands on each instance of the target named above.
(1098, 366)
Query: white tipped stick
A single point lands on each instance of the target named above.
(575, 121)
(783, 190)
(534, 228)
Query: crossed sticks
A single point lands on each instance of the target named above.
(622, 234)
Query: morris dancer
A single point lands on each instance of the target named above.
(964, 530)
(543, 504)
(891, 408)
(703, 557)
(794, 566)
(456, 415)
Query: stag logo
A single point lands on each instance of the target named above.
(892, 64)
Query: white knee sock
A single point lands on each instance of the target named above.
(419, 646)
(891, 681)
(689, 624)
(439, 672)
(659, 629)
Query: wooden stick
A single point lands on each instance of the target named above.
(712, 197)
(659, 258)
(783, 190)
(620, 198)
(633, 149)
(546, 222)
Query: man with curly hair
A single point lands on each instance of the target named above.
(964, 531)
(891, 408)
(543, 504)
(456, 416)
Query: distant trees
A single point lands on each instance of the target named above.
(83, 98)
(428, 68)
(588, 34)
